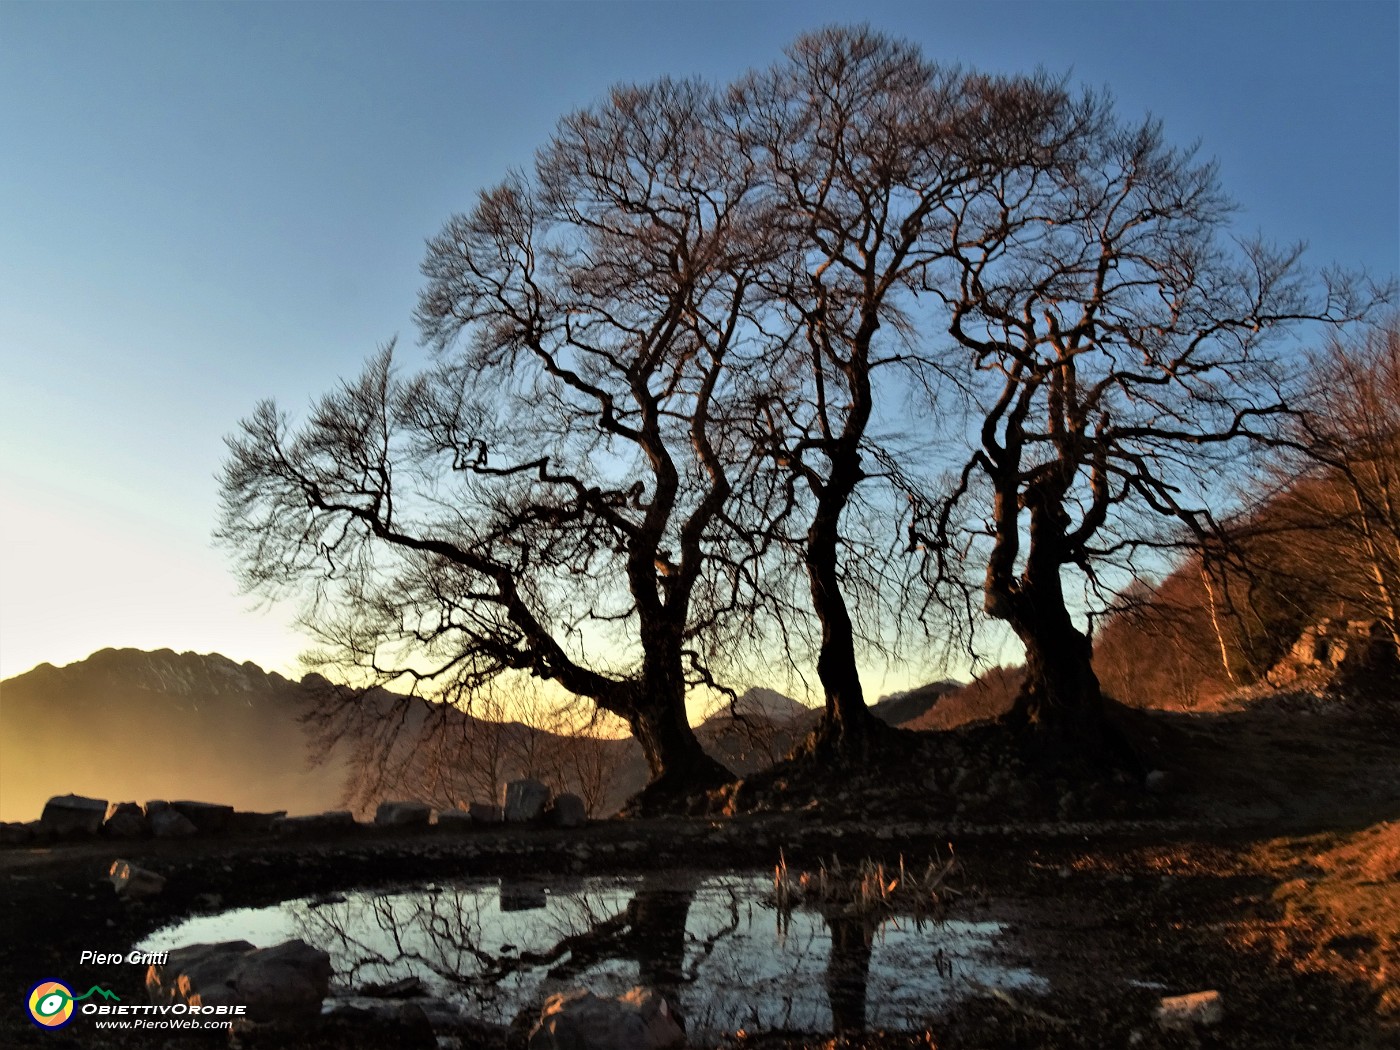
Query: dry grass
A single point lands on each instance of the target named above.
(870, 889)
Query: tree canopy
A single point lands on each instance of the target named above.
(656, 388)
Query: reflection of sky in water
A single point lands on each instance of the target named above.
(737, 966)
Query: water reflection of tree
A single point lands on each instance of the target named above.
(445, 931)
(848, 967)
(456, 933)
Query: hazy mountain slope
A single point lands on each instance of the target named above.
(132, 725)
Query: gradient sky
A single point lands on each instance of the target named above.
(202, 205)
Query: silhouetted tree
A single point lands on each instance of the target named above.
(871, 150)
(559, 496)
(1122, 364)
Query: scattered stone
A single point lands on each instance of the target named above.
(209, 818)
(569, 811)
(580, 1020)
(73, 814)
(133, 882)
(125, 820)
(454, 818)
(402, 814)
(335, 820)
(249, 823)
(1183, 1012)
(167, 824)
(1158, 782)
(523, 801)
(484, 813)
(286, 981)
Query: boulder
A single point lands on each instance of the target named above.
(315, 823)
(569, 811)
(133, 882)
(454, 818)
(167, 824)
(210, 818)
(248, 823)
(73, 815)
(287, 981)
(402, 814)
(523, 801)
(1184, 1012)
(484, 813)
(580, 1020)
(125, 820)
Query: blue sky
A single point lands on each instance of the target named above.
(203, 205)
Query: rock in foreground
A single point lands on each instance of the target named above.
(580, 1020)
(286, 981)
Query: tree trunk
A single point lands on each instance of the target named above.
(847, 969)
(1060, 712)
(680, 767)
(847, 725)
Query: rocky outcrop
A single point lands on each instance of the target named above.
(579, 1020)
(286, 981)
(73, 815)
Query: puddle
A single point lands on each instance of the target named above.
(712, 944)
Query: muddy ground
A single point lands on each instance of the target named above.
(1269, 871)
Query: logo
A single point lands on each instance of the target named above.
(51, 1002)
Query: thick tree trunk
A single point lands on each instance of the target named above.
(680, 767)
(847, 725)
(1060, 712)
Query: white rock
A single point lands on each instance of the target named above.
(131, 881)
(1199, 1009)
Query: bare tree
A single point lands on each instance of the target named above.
(1351, 431)
(557, 497)
(1123, 361)
(870, 149)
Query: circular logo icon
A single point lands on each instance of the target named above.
(50, 1004)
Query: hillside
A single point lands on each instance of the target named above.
(127, 724)
(133, 725)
